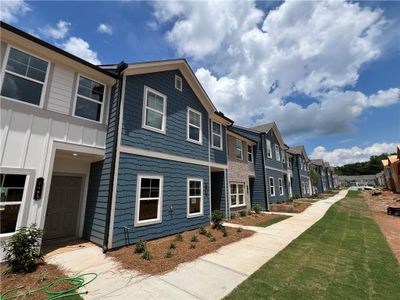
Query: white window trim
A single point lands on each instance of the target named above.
(201, 213)
(269, 147)
(250, 153)
(241, 149)
(160, 201)
(3, 72)
(303, 185)
(283, 157)
(237, 194)
(164, 113)
(23, 203)
(89, 99)
(273, 185)
(280, 186)
(188, 124)
(176, 79)
(219, 135)
(277, 152)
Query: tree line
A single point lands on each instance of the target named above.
(373, 166)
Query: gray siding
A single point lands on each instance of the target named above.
(174, 205)
(175, 140)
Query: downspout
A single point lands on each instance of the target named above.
(121, 67)
(264, 174)
(298, 172)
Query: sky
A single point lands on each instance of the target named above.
(327, 72)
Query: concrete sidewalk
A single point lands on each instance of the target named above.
(211, 276)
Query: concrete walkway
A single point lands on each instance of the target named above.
(211, 276)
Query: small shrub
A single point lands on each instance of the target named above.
(216, 218)
(192, 246)
(212, 239)
(194, 239)
(179, 237)
(22, 251)
(146, 254)
(224, 232)
(42, 277)
(140, 246)
(242, 213)
(238, 230)
(257, 208)
(209, 234)
(172, 245)
(296, 196)
(168, 254)
(202, 230)
(249, 212)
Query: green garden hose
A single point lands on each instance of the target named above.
(76, 282)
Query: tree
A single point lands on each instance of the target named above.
(315, 178)
(370, 167)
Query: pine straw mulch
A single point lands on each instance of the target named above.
(390, 225)
(254, 219)
(290, 207)
(158, 264)
(42, 276)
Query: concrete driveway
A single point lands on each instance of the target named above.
(211, 276)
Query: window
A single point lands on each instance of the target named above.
(289, 161)
(269, 149)
(237, 194)
(195, 197)
(272, 186)
(89, 99)
(277, 153)
(280, 184)
(283, 156)
(12, 193)
(24, 77)
(216, 141)
(303, 185)
(250, 153)
(239, 149)
(154, 110)
(194, 126)
(178, 83)
(149, 200)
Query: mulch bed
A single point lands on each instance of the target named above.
(182, 253)
(290, 207)
(254, 219)
(42, 276)
(390, 225)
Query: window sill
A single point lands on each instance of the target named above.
(238, 205)
(216, 148)
(194, 141)
(147, 222)
(154, 129)
(40, 105)
(196, 215)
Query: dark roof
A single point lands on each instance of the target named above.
(54, 48)
(264, 127)
(242, 135)
(299, 150)
(318, 162)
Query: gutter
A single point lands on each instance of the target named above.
(298, 172)
(264, 174)
(121, 67)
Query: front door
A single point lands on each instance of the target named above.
(63, 206)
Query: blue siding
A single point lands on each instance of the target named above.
(272, 162)
(175, 140)
(218, 186)
(100, 180)
(299, 176)
(174, 195)
(216, 155)
(277, 197)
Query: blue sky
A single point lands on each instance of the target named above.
(335, 67)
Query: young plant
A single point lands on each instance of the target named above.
(249, 212)
(257, 208)
(238, 230)
(216, 218)
(172, 245)
(194, 239)
(146, 254)
(42, 277)
(242, 213)
(179, 237)
(202, 230)
(168, 254)
(224, 232)
(140, 246)
(22, 251)
(209, 234)
(212, 239)
(192, 246)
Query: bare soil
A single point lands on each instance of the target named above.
(290, 207)
(254, 219)
(390, 225)
(183, 252)
(42, 276)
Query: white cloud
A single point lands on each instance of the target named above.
(58, 32)
(81, 48)
(10, 11)
(255, 60)
(342, 156)
(105, 28)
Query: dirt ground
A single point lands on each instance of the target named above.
(182, 253)
(254, 219)
(296, 206)
(42, 276)
(390, 225)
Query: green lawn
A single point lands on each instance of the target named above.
(343, 256)
(273, 221)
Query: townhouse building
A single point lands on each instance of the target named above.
(300, 180)
(318, 165)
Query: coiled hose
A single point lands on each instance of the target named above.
(76, 282)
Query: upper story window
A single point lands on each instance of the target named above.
(89, 99)
(178, 83)
(283, 156)
(289, 161)
(24, 77)
(239, 149)
(250, 153)
(269, 149)
(277, 153)
(194, 126)
(216, 141)
(154, 110)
